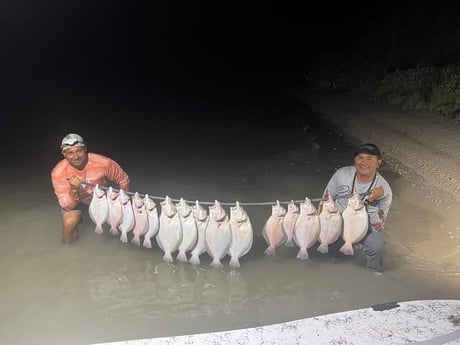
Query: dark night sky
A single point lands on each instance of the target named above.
(163, 41)
(99, 41)
(75, 47)
(108, 48)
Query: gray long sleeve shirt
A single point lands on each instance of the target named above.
(340, 187)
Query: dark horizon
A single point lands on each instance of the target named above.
(60, 56)
(52, 44)
(168, 42)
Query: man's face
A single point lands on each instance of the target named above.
(366, 164)
(76, 156)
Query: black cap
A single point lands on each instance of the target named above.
(368, 148)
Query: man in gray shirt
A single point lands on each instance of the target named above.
(376, 194)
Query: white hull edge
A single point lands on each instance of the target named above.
(430, 322)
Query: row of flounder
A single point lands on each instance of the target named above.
(189, 230)
(124, 214)
(304, 226)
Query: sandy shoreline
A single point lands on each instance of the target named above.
(421, 161)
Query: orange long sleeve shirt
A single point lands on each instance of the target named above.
(98, 170)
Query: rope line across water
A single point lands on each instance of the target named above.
(262, 203)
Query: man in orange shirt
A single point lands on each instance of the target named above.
(67, 176)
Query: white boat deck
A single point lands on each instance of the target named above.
(427, 322)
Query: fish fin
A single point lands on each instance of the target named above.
(347, 249)
(264, 233)
(124, 237)
(114, 231)
(302, 254)
(323, 248)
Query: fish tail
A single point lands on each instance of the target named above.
(347, 249)
(302, 254)
(124, 237)
(323, 248)
(216, 263)
(289, 243)
(270, 250)
(234, 262)
(147, 243)
(114, 231)
(98, 230)
(194, 260)
(182, 257)
(168, 257)
(136, 241)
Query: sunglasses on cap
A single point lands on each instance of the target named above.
(69, 142)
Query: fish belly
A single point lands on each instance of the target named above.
(273, 232)
(242, 239)
(152, 230)
(169, 236)
(115, 215)
(355, 225)
(127, 223)
(306, 231)
(331, 228)
(189, 238)
(141, 224)
(218, 241)
(200, 247)
(98, 212)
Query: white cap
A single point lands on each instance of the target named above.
(72, 140)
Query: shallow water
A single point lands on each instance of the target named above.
(99, 289)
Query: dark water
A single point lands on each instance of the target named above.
(207, 143)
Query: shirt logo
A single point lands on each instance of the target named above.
(343, 190)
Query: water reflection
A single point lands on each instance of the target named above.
(176, 289)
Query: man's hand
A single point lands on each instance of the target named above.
(75, 184)
(376, 193)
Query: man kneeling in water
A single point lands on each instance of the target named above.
(376, 194)
(67, 176)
